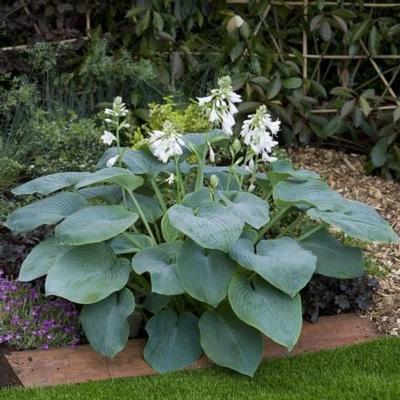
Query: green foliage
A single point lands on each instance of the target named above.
(65, 144)
(189, 119)
(157, 48)
(210, 251)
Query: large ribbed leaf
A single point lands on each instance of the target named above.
(48, 211)
(282, 262)
(87, 274)
(149, 205)
(334, 259)
(271, 311)
(108, 193)
(105, 323)
(314, 193)
(281, 170)
(246, 206)
(174, 341)
(212, 227)
(138, 161)
(198, 198)
(94, 224)
(50, 183)
(160, 262)
(116, 175)
(41, 258)
(230, 342)
(204, 274)
(127, 243)
(357, 220)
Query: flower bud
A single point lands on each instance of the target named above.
(236, 146)
(214, 181)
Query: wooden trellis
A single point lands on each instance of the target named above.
(306, 55)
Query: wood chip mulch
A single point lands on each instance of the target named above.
(345, 173)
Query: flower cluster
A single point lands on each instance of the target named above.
(258, 132)
(118, 110)
(28, 320)
(221, 105)
(166, 143)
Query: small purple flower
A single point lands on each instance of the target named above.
(29, 320)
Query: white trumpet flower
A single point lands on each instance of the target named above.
(108, 138)
(166, 143)
(221, 105)
(111, 162)
(258, 132)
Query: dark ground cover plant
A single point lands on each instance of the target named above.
(192, 245)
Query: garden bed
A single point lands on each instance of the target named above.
(346, 174)
(59, 366)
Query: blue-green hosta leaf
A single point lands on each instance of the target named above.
(334, 259)
(138, 161)
(105, 323)
(170, 234)
(116, 175)
(281, 170)
(204, 274)
(127, 243)
(109, 193)
(174, 341)
(271, 311)
(155, 302)
(212, 227)
(48, 211)
(41, 258)
(50, 183)
(282, 262)
(246, 206)
(160, 263)
(87, 274)
(199, 140)
(357, 220)
(198, 198)
(94, 224)
(230, 342)
(314, 193)
(149, 205)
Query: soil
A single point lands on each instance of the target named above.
(7, 376)
(345, 173)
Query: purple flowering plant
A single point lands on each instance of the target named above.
(29, 320)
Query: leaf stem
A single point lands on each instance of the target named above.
(159, 195)
(290, 226)
(311, 232)
(179, 180)
(200, 169)
(142, 216)
(276, 217)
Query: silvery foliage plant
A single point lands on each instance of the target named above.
(192, 245)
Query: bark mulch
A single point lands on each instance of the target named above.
(345, 173)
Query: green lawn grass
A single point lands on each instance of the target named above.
(369, 371)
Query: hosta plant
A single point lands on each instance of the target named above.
(205, 252)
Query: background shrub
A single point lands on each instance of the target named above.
(149, 49)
